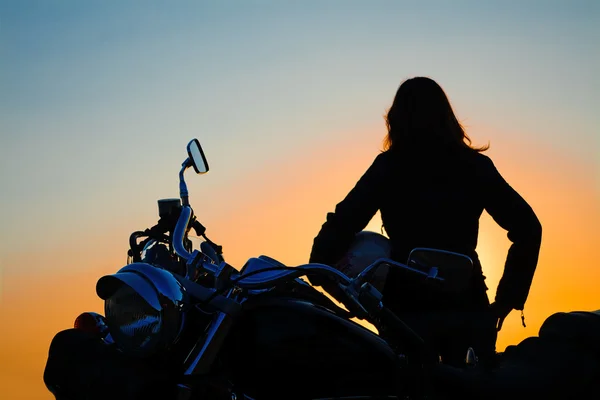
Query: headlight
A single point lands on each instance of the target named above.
(143, 307)
(133, 323)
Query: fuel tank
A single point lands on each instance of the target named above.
(286, 347)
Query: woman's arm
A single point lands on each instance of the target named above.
(351, 215)
(512, 213)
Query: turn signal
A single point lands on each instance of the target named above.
(91, 322)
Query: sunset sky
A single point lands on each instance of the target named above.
(98, 100)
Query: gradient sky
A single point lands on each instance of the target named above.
(99, 98)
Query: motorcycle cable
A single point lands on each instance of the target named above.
(307, 272)
(135, 248)
(233, 281)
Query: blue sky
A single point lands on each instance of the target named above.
(95, 93)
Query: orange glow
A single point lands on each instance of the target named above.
(278, 213)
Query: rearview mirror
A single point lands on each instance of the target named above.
(456, 269)
(197, 158)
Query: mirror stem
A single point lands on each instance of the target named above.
(183, 191)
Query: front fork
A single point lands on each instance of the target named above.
(204, 353)
(201, 358)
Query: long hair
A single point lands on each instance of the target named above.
(421, 115)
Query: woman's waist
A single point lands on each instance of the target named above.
(409, 291)
(401, 253)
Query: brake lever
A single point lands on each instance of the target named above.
(370, 298)
(351, 300)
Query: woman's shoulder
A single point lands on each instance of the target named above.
(481, 158)
(384, 159)
(381, 164)
(477, 159)
(483, 167)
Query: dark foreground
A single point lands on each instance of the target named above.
(562, 362)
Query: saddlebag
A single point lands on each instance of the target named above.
(82, 366)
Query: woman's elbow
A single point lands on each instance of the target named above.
(528, 231)
(535, 230)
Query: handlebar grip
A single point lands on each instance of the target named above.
(198, 228)
(133, 245)
(209, 251)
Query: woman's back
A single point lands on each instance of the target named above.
(432, 199)
(431, 186)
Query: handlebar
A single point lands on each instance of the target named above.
(179, 232)
(350, 288)
(255, 282)
(283, 274)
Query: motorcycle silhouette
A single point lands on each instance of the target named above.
(181, 323)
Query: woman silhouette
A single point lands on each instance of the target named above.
(431, 187)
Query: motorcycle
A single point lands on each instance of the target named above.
(181, 323)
